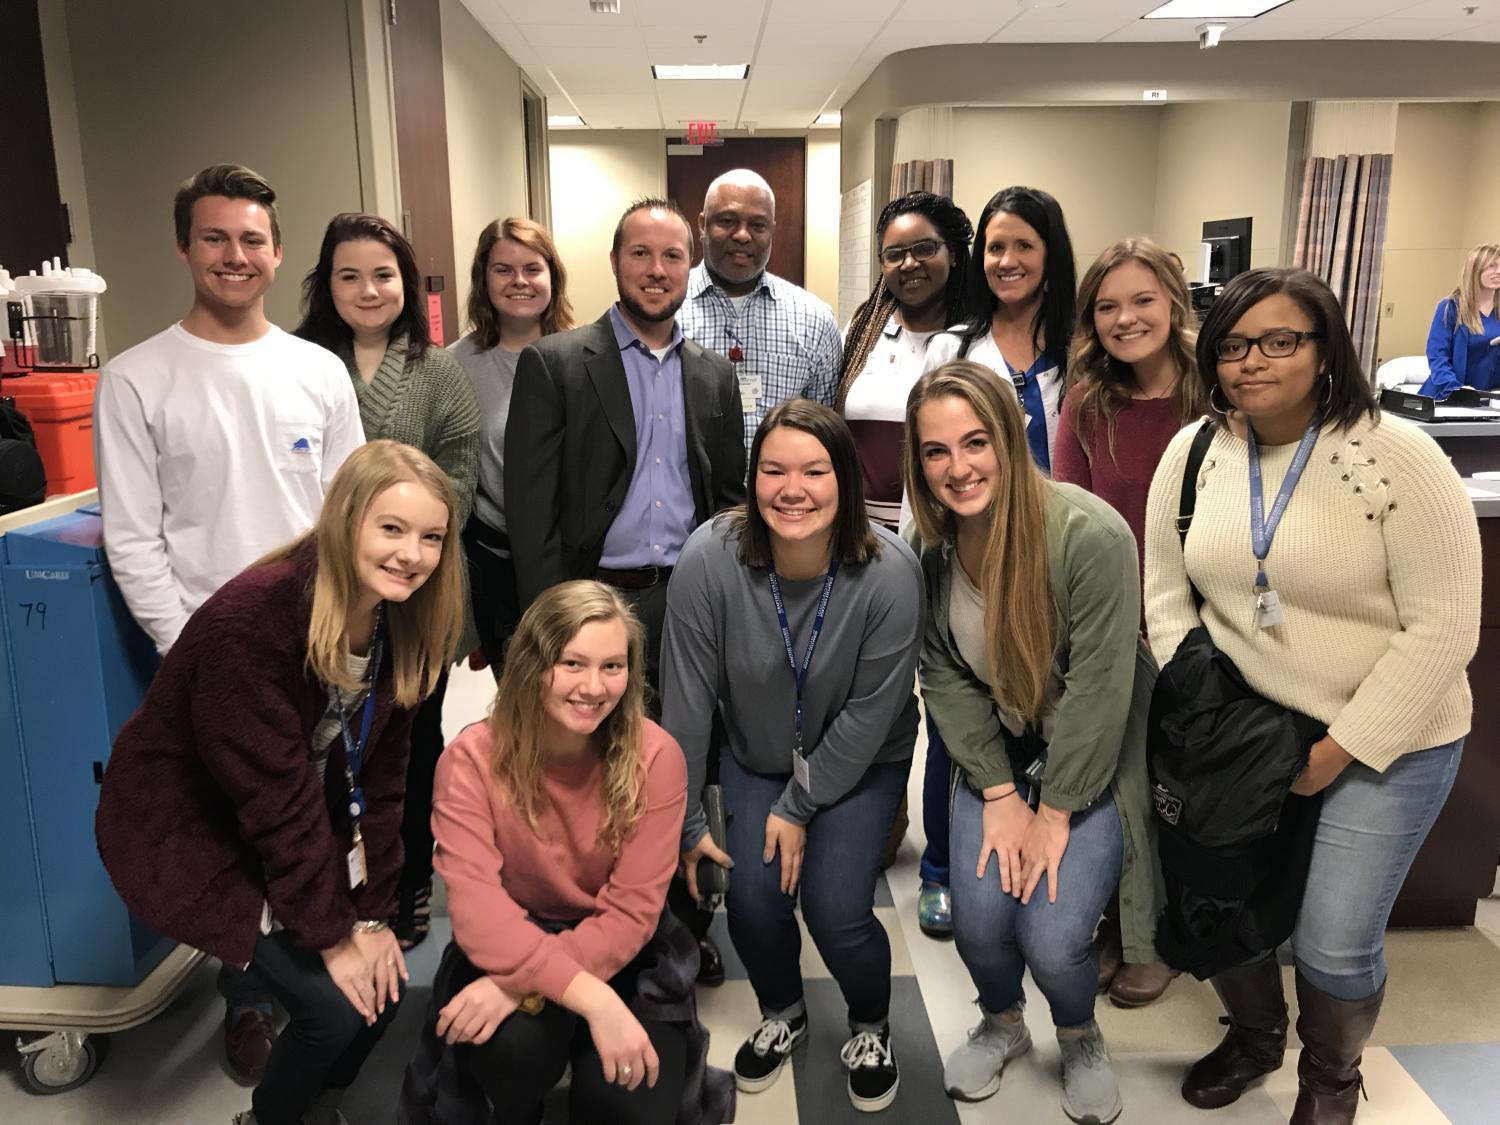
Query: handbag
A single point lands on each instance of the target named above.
(713, 878)
(1234, 842)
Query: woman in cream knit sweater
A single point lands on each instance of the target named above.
(1359, 608)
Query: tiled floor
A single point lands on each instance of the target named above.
(1436, 1056)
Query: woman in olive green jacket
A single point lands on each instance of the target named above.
(1034, 670)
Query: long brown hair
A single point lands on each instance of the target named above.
(1015, 580)
(1106, 381)
(484, 318)
(424, 629)
(1466, 296)
(518, 720)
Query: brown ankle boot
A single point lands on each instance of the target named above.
(1255, 1043)
(1334, 1033)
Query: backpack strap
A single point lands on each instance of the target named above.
(1188, 498)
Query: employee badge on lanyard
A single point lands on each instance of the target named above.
(354, 752)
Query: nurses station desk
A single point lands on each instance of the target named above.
(1456, 866)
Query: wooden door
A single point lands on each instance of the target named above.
(783, 163)
(416, 37)
(33, 225)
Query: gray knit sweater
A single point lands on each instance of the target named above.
(427, 403)
(722, 650)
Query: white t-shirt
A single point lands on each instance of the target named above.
(209, 456)
(875, 408)
(985, 351)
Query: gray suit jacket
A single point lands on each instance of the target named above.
(570, 449)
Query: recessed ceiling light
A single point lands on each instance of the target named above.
(564, 121)
(605, 7)
(704, 72)
(1213, 9)
(828, 119)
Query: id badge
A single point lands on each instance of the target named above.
(1268, 611)
(357, 870)
(802, 771)
(749, 392)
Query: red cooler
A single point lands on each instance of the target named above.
(60, 408)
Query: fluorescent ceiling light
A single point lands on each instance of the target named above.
(1213, 9)
(828, 119)
(696, 72)
(564, 121)
(605, 7)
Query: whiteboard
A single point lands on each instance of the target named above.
(854, 250)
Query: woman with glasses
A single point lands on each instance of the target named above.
(924, 257)
(1337, 559)
(1132, 384)
(1461, 349)
(1020, 290)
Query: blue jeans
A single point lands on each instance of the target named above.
(936, 812)
(1368, 834)
(837, 891)
(999, 939)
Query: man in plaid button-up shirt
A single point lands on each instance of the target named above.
(783, 341)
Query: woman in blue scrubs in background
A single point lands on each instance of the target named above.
(1461, 349)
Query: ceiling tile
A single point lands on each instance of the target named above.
(618, 36)
(608, 110)
(1392, 28)
(1292, 28)
(838, 11)
(1071, 31)
(1484, 33)
(1166, 31)
(746, 14)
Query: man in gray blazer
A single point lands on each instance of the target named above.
(623, 436)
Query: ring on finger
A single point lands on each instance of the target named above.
(625, 1073)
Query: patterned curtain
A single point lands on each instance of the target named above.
(935, 176)
(1341, 236)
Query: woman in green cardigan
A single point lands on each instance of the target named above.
(1033, 667)
(363, 302)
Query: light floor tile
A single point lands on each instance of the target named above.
(1395, 1098)
(1462, 1080)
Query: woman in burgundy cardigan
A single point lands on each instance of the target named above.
(557, 825)
(252, 805)
(1132, 385)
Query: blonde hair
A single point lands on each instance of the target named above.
(423, 631)
(518, 719)
(1015, 581)
(1106, 381)
(1466, 296)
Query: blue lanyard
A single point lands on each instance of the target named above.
(1263, 530)
(354, 751)
(799, 676)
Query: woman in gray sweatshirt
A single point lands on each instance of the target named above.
(798, 623)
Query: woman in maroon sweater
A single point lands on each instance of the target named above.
(1132, 385)
(252, 805)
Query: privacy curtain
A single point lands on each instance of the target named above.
(935, 176)
(1341, 236)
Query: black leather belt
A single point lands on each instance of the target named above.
(640, 578)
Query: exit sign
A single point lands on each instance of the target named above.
(703, 133)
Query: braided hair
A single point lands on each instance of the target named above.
(869, 319)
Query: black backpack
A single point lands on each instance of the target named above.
(23, 480)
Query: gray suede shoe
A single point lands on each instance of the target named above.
(1091, 1093)
(972, 1073)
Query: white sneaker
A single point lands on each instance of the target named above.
(972, 1072)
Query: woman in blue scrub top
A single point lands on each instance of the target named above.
(1021, 286)
(1461, 349)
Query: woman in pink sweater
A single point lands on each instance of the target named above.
(557, 824)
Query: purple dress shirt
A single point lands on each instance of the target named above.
(657, 514)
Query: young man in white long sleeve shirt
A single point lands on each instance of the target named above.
(217, 437)
(215, 441)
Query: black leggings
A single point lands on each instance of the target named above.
(527, 1055)
(325, 1041)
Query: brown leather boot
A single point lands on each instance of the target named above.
(1255, 1043)
(1139, 984)
(1334, 1033)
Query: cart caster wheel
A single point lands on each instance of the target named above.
(61, 1061)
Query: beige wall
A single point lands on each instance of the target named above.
(152, 115)
(486, 136)
(1064, 151)
(595, 176)
(1484, 202)
(1222, 160)
(821, 233)
(1432, 183)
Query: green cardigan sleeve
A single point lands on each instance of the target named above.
(1096, 591)
(455, 440)
(959, 702)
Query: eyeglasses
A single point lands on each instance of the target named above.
(1276, 344)
(921, 251)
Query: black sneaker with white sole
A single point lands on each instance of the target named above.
(873, 1077)
(761, 1057)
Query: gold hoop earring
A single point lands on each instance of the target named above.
(1214, 406)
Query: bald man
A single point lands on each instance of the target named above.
(784, 342)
